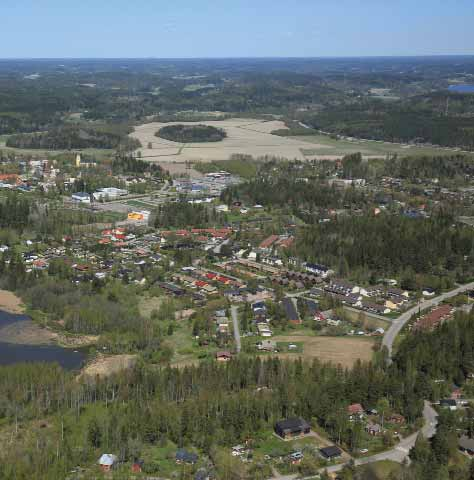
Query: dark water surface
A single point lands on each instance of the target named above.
(11, 353)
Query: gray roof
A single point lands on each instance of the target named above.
(466, 443)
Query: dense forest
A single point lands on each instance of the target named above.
(75, 137)
(211, 404)
(397, 123)
(279, 190)
(191, 133)
(127, 165)
(397, 243)
(183, 214)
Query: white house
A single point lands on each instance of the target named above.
(81, 197)
(109, 193)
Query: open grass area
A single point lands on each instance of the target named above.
(365, 320)
(338, 350)
(325, 145)
(381, 470)
(271, 445)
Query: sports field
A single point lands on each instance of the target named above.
(338, 350)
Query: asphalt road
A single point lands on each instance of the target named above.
(400, 452)
(397, 324)
(235, 320)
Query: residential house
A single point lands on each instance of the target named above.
(449, 403)
(373, 291)
(374, 429)
(137, 466)
(342, 287)
(264, 330)
(184, 456)
(81, 197)
(107, 462)
(222, 325)
(292, 427)
(223, 356)
(395, 303)
(355, 409)
(267, 345)
(396, 418)
(434, 318)
(398, 292)
(266, 245)
(330, 453)
(466, 445)
(456, 393)
(318, 269)
(375, 308)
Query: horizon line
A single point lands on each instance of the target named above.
(328, 57)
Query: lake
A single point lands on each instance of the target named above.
(11, 353)
(461, 88)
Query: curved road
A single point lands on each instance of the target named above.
(397, 325)
(400, 452)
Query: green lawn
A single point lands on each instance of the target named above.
(381, 470)
(269, 444)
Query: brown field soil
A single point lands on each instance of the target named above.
(244, 136)
(179, 169)
(103, 365)
(10, 303)
(338, 350)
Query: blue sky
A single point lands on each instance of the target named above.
(234, 28)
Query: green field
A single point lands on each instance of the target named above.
(325, 145)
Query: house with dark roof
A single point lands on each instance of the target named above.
(318, 269)
(184, 456)
(330, 453)
(448, 403)
(292, 427)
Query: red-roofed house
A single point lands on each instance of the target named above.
(268, 242)
(355, 409)
(434, 318)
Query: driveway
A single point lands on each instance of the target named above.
(234, 310)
